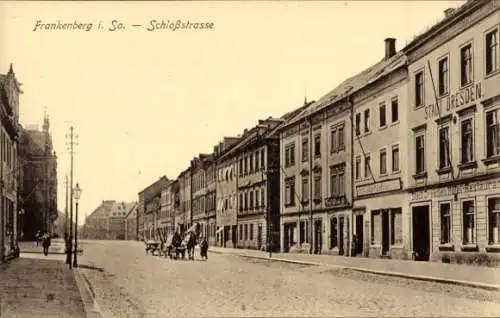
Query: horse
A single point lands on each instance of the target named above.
(190, 241)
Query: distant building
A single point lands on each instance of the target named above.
(149, 207)
(108, 221)
(9, 165)
(131, 224)
(38, 163)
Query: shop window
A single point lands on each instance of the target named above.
(494, 220)
(241, 232)
(290, 191)
(382, 115)
(444, 147)
(396, 226)
(492, 134)
(466, 65)
(420, 153)
(468, 222)
(376, 228)
(443, 79)
(445, 215)
(333, 232)
(467, 141)
(367, 120)
(395, 158)
(492, 55)
(419, 89)
(394, 109)
(305, 149)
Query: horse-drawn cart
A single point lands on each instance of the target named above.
(174, 247)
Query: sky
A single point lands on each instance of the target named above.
(144, 103)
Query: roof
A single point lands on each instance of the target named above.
(352, 85)
(111, 208)
(121, 209)
(133, 212)
(103, 210)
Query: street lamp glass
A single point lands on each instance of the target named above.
(77, 192)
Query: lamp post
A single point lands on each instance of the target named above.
(76, 193)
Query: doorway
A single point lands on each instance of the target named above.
(318, 242)
(341, 235)
(385, 233)
(259, 237)
(359, 234)
(421, 233)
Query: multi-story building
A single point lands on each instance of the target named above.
(200, 168)
(257, 155)
(166, 221)
(210, 198)
(117, 220)
(379, 106)
(172, 205)
(149, 209)
(226, 191)
(183, 215)
(9, 165)
(454, 153)
(38, 172)
(108, 221)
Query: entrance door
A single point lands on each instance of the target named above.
(385, 233)
(359, 234)
(234, 239)
(421, 233)
(341, 235)
(259, 237)
(318, 242)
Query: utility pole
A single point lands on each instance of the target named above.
(66, 211)
(71, 144)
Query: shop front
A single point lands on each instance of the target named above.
(456, 218)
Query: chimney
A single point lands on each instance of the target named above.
(390, 48)
(448, 12)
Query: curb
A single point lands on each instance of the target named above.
(92, 309)
(478, 285)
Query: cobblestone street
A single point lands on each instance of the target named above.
(126, 282)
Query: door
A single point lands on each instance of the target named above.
(318, 243)
(341, 235)
(359, 234)
(385, 233)
(259, 237)
(421, 233)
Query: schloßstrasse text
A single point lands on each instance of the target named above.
(155, 25)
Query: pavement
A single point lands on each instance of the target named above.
(57, 246)
(39, 287)
(128, 283)
(465, 275)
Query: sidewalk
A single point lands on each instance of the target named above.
(481, 277)
(57, 246)
(39, 288)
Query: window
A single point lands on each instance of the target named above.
(396, 226)
(246, 165)
(257, 161)
(317, 187)
(304, 237)
(262, 197)
(290, 191)
(290, 155)
(444, 212)
(358, 168)
(419, 89)
(466, 65)
(337, 181)
(262, 158)
(376, 227)
(251, 199)
(305, 189)
(246, 232)
(341, 137)
(444, 147)
(250, 160)
(257, 196)
(251, 231)
(334, 139)
(333, 232)
(367, 120)
(383, 162)
(367, 166)
(494, 220)
(420, 154)
(467, 144)
(305, 149)
(491, 51)
(246, 201)
(468, 222)
(317, 145)
(358, 124)
(241, 232)
(394, 109)
(382, 118)
(492, 134)
(443, 76)
(395, 158)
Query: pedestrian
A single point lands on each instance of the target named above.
(37, 237)
(46, 243)
(204, 248)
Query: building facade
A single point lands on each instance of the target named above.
(96, 225)
(183, 215)
(9, 165)
(199, 190)
(38, 169)
(226, 193)
(210, 198)
(454, 155)
(149, 208)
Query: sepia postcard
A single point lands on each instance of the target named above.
(250, 158)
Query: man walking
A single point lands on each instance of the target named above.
(46, 243)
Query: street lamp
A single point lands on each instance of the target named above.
(76, 192)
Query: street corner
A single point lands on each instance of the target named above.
(92, 309)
